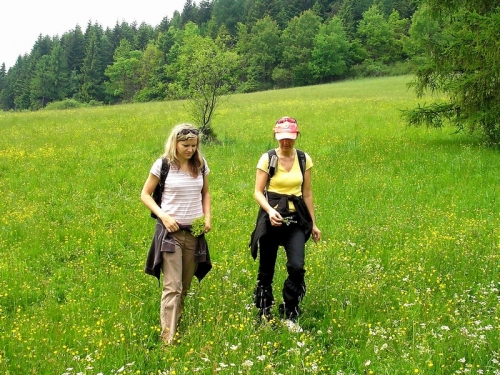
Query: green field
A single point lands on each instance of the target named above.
(406, 279)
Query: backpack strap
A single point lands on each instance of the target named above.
(302, 161)
(271, 169)
(165, 167)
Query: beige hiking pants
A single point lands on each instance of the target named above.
(178, 271)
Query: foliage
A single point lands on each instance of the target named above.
(50, 79)
(278, 44)
(208, 72)
(370, 68)
(330, 55)
(259, 51)
(124, 75)
(297, 43)
(151, 74)
(376, 35)
(421, 29)
(66, 104)
(73, 43)
(462, 62)
(92, 72)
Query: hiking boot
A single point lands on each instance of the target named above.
(289, 313)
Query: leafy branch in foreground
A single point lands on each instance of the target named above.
(461, 61)
(432, 115)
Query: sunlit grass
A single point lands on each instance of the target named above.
(405, 280)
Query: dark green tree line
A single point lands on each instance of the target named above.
(278, 43)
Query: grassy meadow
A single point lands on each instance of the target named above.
(406, 279)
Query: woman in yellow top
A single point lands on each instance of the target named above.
(286, 218)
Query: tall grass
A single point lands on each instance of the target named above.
(405, 280)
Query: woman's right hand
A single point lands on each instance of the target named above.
(275, 218)
(170, 224)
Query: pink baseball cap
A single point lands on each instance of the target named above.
(286, 128)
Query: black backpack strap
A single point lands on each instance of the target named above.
(302, 161)
(271, 167)
(165, 166)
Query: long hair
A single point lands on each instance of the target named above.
(180, 133)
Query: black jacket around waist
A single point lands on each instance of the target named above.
(163, 241)
(280, 203)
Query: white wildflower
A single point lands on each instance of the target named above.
(292, 326)
(247, 363)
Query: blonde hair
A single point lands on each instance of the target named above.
(179, 133)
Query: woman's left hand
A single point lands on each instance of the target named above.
(316, 234)
(208, 225)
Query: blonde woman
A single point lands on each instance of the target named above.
(185, 197)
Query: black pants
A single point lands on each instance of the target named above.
(292, 238)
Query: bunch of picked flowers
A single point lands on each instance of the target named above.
(198, 226)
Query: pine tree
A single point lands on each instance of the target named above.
(462, 61)
(3, 76)
(92, 74)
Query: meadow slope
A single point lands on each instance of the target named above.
(405, 280)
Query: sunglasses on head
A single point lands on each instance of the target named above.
(286, 119)
(189, 131)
